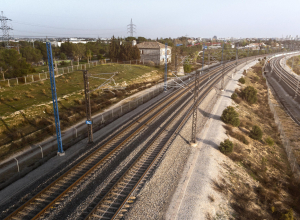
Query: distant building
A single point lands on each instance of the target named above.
(154, 51)
(255, 46)
(215, 38)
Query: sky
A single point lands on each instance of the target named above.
(153, 18)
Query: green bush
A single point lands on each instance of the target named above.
(249, 94)
(289, 215)
(226, 146)
(242, 80)
(256, 133)
(230, 116)
(187, 68)
(269, 141)
(234, 96)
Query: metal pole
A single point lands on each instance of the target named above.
(176, 63)
(236, 58)
(88, 106)
(223, 69)
(54, 99)
(247, 56)
(166, 67)
(194, 122)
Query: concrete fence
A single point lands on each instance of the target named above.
(61, 71)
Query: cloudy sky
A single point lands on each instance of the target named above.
(153, 18)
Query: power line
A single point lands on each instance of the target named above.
(131, 28)
(5, 29)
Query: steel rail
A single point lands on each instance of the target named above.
(203, 77)
(97, 164)
(158, 136)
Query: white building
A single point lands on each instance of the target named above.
(154, 51)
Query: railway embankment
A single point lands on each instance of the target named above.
(254, 181)
(180, 183)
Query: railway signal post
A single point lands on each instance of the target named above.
(88, 106)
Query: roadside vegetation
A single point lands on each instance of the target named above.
(256, 147)
(296, 66)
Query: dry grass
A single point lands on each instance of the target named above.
(276, 191)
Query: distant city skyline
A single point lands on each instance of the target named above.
(225, 19)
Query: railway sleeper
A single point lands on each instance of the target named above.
(118, 194)
(105, 211)
(108, 206)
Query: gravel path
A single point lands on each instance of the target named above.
(177, 179)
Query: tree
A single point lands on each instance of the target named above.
(113, 48)
(13, 64)
(63, 56)
(31, 54)
(256, 133)
(88, 55)
(67, 48)
(230, 116)
(226, 146)
(141, 39)
(242, 80)
(42, 47)
(249, 94)
(130, 39)
(78, 51)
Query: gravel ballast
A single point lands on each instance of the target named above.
(180, 186)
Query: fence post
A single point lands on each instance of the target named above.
(32, 78)
(39, 76)
(72, 69)
(63, 71)
(46, 75)
(143, 61)
(17, 81)
(68, 69)
(41, 151)
(8, 83)
(17, 165)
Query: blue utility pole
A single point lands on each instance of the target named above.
(166, 67)
(54, 99)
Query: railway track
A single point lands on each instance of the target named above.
(44, 202)
(116, 200)
(290, 85)
(288, 79)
